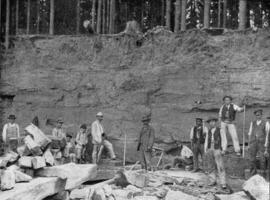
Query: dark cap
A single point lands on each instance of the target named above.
(11, 117)
(199, 119)
(258, 111)
(60, 120)
(146, 118)
(83, 126)
(69, 135)
(212, 119)
(227, 96)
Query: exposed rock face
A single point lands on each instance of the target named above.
(74, 77)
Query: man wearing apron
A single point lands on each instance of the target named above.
(11, 134)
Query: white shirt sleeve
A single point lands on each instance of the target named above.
(206, 142)
(250, 129)
(4, 133)
(191, 133)
(237, 108)
(220, 111)
(267, 129)
(18, 131)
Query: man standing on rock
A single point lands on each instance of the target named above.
(213, 148)
(258, 142)
(197, 137)
(99, 140)
(11, 134)
(227, 115)
(145, 143)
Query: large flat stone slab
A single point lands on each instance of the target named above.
(234, 196)
(76, 174)
(37, 189)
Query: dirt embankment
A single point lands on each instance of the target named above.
(74, 77)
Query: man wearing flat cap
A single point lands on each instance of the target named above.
(145, 143)
(213, 150)
(258, 142)
(99, 140)
(227, 114)
(11, 134)
(197, 137)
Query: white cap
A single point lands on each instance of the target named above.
(100, 114)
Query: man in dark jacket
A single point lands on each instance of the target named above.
(197, 138)
(258, 142)
(145, 143)
(212, 147)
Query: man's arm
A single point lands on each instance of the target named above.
(250, 132)
(151, 139)
(238, 108)
(18, 131)
(206, 142)
(267, 129)
(4, 133)
(191, 134)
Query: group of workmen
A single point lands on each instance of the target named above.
(64, 147)
(206, 140)
(210, 141)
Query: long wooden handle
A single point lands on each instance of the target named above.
(244, 137)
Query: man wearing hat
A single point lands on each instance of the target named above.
(197, 137)
(60, 136)
(258, 142)
(227, 115)
(99, 140)
(81, 141)
(213, 150)
(145, 142)
(11, 134)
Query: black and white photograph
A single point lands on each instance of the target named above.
(134, 99)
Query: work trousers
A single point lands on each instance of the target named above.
(217, 166)
(257, 148)
(232, 130)
(198, 149)
(145, 159)
(98, 149)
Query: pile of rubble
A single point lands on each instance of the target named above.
(31, 173)
(167, 185)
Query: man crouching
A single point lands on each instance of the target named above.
(213, 150)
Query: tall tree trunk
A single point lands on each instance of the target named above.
(168, 13)
(206, 13)
(28, 17)
(78, 16)
(225, 3)
(162, 12)
(112, 16)
(177, 15)
(104, 16)
(242, 14)
(17, 17)
(7, 23)
(219, 13)
(51, 31)
(183, 15)
(108, 17)
(99, 16)
(93, 14)
(0, 17)
(38, 16)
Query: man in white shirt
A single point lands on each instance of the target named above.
(11, 134)
(258, 141)
(99, 140)
(227, 114)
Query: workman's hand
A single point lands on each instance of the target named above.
(266, 154)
